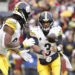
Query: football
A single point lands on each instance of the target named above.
(52, 38)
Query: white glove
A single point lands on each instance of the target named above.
(26, 56)
(28, 42)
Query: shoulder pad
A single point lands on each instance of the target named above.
(57, 30)
(60, 33)
(33, 34)
(12, 23)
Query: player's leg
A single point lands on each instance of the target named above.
(1, 72)
(4, 64)
(43, 69)
(56, 66)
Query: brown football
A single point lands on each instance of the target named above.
(52, 38)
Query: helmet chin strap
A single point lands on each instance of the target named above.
(46, 29)
(24, 25)
(23, 17)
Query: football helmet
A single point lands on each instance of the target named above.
(23, 10)
(45, 20)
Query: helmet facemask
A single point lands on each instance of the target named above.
(25, 13)
(46, 27)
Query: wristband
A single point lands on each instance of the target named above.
(58, 49)
(21, 45)
(41, 51)
(24, 44)
(19, 52)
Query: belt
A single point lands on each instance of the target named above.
(52, 58)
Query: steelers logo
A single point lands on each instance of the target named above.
(48, 59)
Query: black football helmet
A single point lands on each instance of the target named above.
(23, 10)
(45, 18)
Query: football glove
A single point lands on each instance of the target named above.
(26, 56)
(28, 42)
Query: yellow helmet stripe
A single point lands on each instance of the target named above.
(16, 7)
(11, 24)
(45, 15)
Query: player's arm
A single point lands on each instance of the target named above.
(9, 32)
(58, 42)
(35, 47)
(8, 35)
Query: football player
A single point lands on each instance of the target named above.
(51, 62)
(10, 33)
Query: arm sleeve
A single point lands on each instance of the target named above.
(59, 38)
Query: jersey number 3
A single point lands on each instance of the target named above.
(47, 45)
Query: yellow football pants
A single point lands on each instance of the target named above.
(54, 66)
(4, 64)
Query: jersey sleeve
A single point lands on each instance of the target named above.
(11, 23)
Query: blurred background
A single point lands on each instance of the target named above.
(63, 12)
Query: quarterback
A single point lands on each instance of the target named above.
(51, 62)
(10, 33)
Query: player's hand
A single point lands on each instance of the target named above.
(73, 53)
(28, 42)
(26, 56)
(44, 53)
(53, 48)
